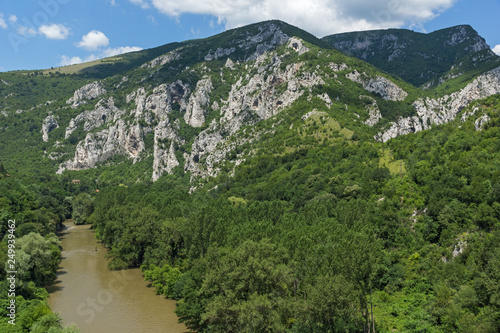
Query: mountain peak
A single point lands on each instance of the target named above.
(434, 57)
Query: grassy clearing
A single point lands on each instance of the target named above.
(321, 126)
(395, 166)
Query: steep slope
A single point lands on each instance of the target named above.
(426, 60)
(204, 107)
(187, 110)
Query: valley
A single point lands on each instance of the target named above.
(267, 180)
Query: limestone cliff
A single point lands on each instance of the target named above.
(442, 110)
(49, 124)
(88, 92)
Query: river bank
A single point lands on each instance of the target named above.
(96, 299)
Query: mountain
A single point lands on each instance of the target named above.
(426, 60)
(266, 181)
(204, 106)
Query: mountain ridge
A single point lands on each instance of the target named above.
(433, 57)
(197, 108)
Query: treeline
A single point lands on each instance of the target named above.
(29, 218)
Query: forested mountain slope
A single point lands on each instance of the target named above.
(328, 238)
(427, 60)
(271, 183)
(193, 111)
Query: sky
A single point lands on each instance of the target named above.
(39, 34)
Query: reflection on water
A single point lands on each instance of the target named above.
(88, 294)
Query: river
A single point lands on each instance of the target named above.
(96, 299)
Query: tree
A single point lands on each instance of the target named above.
(83, 207)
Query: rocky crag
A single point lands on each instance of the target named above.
(190, 109)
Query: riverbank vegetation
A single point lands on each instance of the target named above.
(30, 216)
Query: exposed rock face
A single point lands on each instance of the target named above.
(49, 124)
(297, 45)
(402, 127)
(105, 111)
(456, 49)
(481, 121)
(261, 98)
(270, 89)
(199, 100)
(212, 145)
(219, 53)
(90, 91)
(164, 161)
(127, 139)
(379, 85)
(442, 110)
(326, 99)
(267, 95)
(269, 35)
(338, 67)
(97, 147)
(229, 64)
(162, 60)
(373, 110)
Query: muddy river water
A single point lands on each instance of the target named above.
(97, 299)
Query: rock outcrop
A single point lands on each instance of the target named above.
(442, 110)
(378, 85)
(88, 92)
(162, 60)
(198, 102)
(481, 121)
(105, 111)
(49, 124)
(373, 111)
(98, 147)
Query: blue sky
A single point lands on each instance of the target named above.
(37, 34)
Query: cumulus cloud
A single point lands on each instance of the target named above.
(3, 24)
(496, 49)
(13, 19)
(321, 17)
(109, 52)
(26, 31)
(66, 61)
(54, 31)
(93, 41)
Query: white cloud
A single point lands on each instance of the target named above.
(320, 17)
(3, 24)
(496, 49)
(66, 61)
(26, 31)
(54, 31)
(13, 19)
(109, 52)
(93, 41)
(141, 3)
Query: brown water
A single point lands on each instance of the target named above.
(96, 299)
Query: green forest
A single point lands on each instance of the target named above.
(30, 215)
(307, 222)
(349, 236)
(327, 238)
